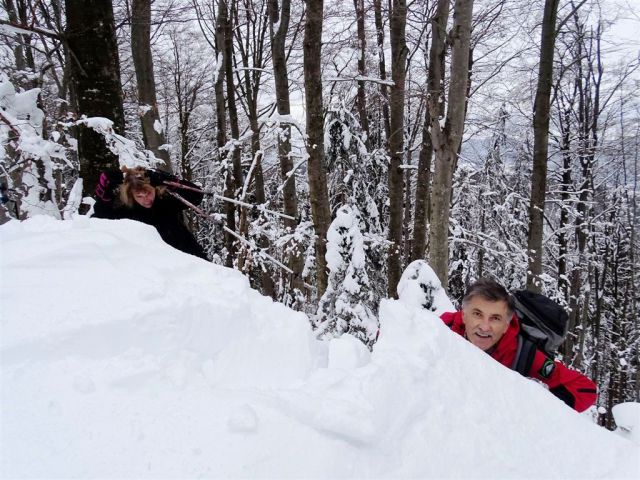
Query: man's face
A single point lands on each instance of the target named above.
(485, 321)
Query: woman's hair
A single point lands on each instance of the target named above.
(136, 180)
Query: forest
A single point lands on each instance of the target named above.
(337, 143)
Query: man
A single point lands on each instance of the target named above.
(488, 321)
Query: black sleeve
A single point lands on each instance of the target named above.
(102, 209)
(565, 395)
(159, 178)
(191, 196)
(106, 193)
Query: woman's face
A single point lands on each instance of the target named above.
(145, 197)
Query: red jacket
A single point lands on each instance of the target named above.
(570, 386)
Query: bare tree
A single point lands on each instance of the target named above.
(399, 53)
(382, 70)
(279, 25)
(152, 132)
(19, 47)
(541, 143)
(221, 117)
(250, 34)
(319, 197)
(423, 192)
(446, 139)
(362, 67)
(435, 96)
(95, 70)
(232, 109)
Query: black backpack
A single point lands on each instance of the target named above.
(543, 325)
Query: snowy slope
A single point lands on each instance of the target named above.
(121, 357)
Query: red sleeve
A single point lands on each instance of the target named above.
(447, 318)
(570, 386)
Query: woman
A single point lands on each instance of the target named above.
(142, 195)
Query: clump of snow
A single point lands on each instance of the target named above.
(74, 200)
(420, 287)
(348, 352)
(627, 417)
(122, 357)
(143, 109)
(21, 143)
(128, 153)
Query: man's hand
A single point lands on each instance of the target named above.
(158, 177)
(107, 182)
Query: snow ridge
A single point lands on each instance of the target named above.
(121, 357)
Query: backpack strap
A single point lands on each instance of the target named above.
(523, 360)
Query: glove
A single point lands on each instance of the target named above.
(158, 177)
(107, 183)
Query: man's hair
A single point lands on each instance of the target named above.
(490, 290)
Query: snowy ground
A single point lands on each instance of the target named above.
(121, 357)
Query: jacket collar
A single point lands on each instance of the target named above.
(507, 347)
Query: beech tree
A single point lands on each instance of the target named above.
(540, 145)
(446, 137)
(399, 53)
(278, 28)
(95, 73)
(318, 195)
(152, 129)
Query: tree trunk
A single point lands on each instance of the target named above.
(541, 145)
(95, 70)
(399, 53)
(221, 137)
(565, 196)
(382, 69)
(319, 197)
(152, 131)
(447, 140)
(290, 200)
(362, 68)
(18, 49)
(268, 287)
(423, 192)
(231, 100)
(26, 19)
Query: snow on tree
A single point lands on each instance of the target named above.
(358, 177)
(420, 287)
(28, 160)
(489, 215)
(345, 307)
(355, 174)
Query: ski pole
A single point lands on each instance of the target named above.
(226, 199)
(209, 216)
(216, 218)
(260, 251)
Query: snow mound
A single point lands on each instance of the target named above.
(627, 416)
(420, 287)
(122, 357)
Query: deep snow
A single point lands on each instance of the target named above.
(122, 357)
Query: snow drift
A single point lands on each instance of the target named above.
(122, 357)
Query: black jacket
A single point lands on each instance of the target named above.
(165, 214)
